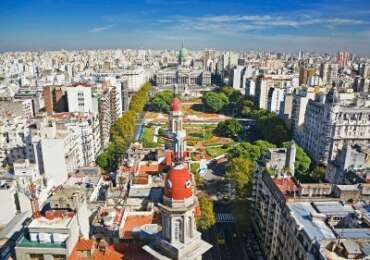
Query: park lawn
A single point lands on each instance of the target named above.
(199, 134)
(147, 137)
(215, 151)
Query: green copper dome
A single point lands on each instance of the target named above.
(182, 54)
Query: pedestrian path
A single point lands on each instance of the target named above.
(224, 218)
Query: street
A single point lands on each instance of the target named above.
(227, 240)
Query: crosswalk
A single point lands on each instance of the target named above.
(224, 218)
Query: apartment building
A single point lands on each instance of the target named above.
(332, 121)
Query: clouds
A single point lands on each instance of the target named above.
(102, 28)
(242, 23)
(232, 24)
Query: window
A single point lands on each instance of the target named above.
(37, 257)
(59, 257)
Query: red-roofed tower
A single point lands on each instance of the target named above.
(176, 131)
(180, 238)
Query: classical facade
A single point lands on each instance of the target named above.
(183, 76)
(333, 121)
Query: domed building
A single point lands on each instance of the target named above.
(180, 238)
(182, 55)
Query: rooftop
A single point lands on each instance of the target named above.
(316, 229)
(333, 208)
(286, 185)
(57, 221)
(136, 221)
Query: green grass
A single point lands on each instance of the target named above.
(199, 134)
(194, 167)
(147, 137)
(215, 151)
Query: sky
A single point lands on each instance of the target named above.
(263, 25)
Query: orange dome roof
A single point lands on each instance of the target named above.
(179, 184)
(176, 105)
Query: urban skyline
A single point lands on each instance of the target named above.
(322, 26)
(184, 130)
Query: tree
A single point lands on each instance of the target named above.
(239, 171)
(122, 132)
(229, 128)
(214, 102)
(264, 146)
(245, 150)
(302, 160)
(159, 105)
(228, 91)
(161, 101)
(319, 173)
(272, 129)
(207, 218)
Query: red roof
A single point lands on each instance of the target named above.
(176, 105)
(179, 184)
(110, 253)
(286, 184)
(52, 214)
(137, 221)
(149, 168)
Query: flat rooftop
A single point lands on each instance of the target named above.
(333, 208)
(316, 229)
(136, 221)
(47, 223)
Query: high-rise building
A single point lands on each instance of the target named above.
(329, 73)
(61, 152)
(335, 120)
(80, 99)
(293, 220)
(238, 74)
(343, 58)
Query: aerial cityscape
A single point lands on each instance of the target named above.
(185, 130)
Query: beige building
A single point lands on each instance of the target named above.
(331, 122)
(52, 237)
(302, 221)
(183, 76)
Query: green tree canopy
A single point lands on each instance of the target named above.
(161, 102)
(229, 128)
(272, 129)
(302, 160)
(245, 150)
(264, 146)
(207, 218)
(214, 102)
(122, 132)
(319, 173)
(240, 172)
